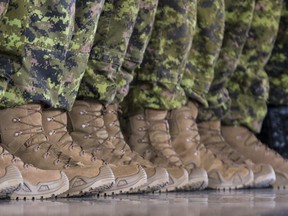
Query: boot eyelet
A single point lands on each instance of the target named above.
(66, 166)
(56, 162)
(46, 155)
(26, 166)
(15, 120)
(93, 158)
(71, 148)
(49, 119)
(18, 133)
(37, 148)
(51, 133)
(82, 153)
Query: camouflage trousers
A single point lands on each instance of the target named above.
(277, 67)
(207, 42)
(248, 86)
(116, 24)
(160, 82)
(42, 45)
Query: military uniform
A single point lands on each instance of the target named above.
(157, 81)
(274, 129)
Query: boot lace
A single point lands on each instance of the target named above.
(62, 129)
(162, 148)
(101, 143)
(37, 131)
(221, 146)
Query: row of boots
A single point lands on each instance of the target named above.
(49, 152)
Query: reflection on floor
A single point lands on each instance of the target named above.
(233, 203)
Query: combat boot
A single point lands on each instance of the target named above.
(22, 135)
(127, 177)
(245, 142)
(157, 177)
(37, 183)
(149, 136)
(210, 133)
(10, 176)
(180, 134)
(186, 142)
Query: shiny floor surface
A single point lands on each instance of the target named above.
(231, 203)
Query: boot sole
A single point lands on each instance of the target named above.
(155, 182)
(36, 194)
(199, 184)
(178, 183)
(11, 181)
(141, 179)
(104, 180)
(233, 186)
(266, 181)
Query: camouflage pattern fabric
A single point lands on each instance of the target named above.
(157, 81)
(199, 71)
(46, 62)
(248, 86)
(86, 22)
(136, 48)
(34, 37)
(277, 67)
(238, 18)
(114, 30)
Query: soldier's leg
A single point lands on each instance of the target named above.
(33, 45)
(248, 86)
(207, 42)
(238, 17)
(248, 89)
(237, 24)
(85, 26)
(274, 129)
(137, 47)
(98, 87)
(110, 45)
(157, 81)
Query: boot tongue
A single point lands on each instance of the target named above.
(210, 125)
(193, 108)
(155, 115)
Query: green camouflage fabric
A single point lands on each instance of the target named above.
(249, 86)
(3, 7)
(86, 22)
(238, 18)
(34, 38)
(47, 51)
(157, 81)
(199, 71)
(114, 30)
(136, 48)
(277, 67)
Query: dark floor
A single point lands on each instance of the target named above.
(245, 202)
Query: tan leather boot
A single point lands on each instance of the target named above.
(22, 134)
(180, 136)
(211, 136)
(149, 136)
(186, 142)
(37, 183)
(245, 142)
(157, 177)
(55, 126)
(10, 176)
